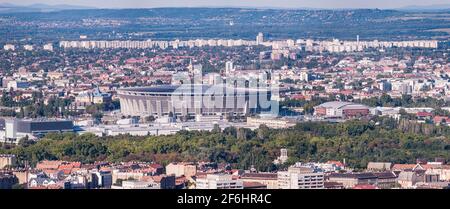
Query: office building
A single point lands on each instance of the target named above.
(229, 68)
(15, 129)
(259, 39)
(300, 177)
(219, 181)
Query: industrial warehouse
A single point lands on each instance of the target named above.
(196, 99)
(337, 109)
(12, 130)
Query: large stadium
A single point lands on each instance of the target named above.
(188, 100)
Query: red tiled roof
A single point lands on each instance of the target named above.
(438, 119)
(46, 164)
(403, 166)
(337, 163)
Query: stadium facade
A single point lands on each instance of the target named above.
(193, 99)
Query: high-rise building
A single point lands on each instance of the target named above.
(7, 160)
(195, 69)
(283, 157)
(229, 67)
(305, 76)
(300, 177)
(181, 169)
(385, 86)
(259, 38)
(103, 178)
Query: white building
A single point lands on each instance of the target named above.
(270, 122)
(229, 67)
(133, 184)
(48, 47)
(9, 47)
(104, 178)
(28, 47)
(181, 169)
(442, 170)
(219, 181)
(282, 158)
(259, 39)
(300, 177)
(10, 132)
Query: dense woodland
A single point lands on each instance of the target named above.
(381, 139)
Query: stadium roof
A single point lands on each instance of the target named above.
(339, 105)
(190, 88)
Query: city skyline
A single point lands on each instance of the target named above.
(325, 4)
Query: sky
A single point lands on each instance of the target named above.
(382, 4)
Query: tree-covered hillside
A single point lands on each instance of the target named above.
(382, 139)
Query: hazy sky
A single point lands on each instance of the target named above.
(236, 3)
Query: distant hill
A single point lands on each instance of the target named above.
(12, 8)
(206, 23)
(435, 7)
